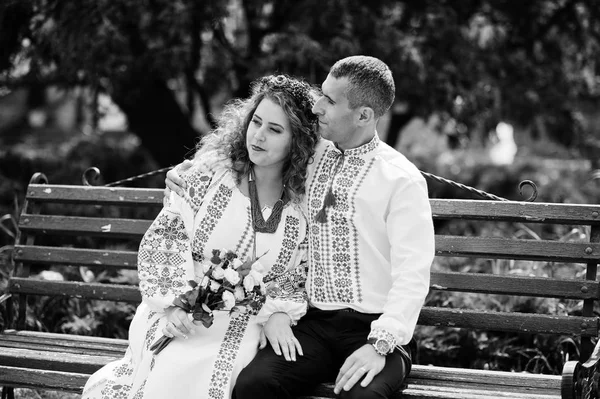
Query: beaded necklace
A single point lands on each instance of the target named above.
(258, 221)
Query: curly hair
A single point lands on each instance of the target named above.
(227, 142)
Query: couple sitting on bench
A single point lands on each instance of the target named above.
(336, 226)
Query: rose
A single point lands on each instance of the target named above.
(249, 283)
(214, 285)
(228, 300)
(218, 273)
(232, 276)
(258, 277)
(258, 267)
(236, 263)
(239, 293)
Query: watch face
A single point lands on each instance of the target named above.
(383, 346)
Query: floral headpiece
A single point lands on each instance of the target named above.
(298, 90)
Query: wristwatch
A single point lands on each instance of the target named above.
(382, 346)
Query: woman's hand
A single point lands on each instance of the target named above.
(278, 331)
(173, 182)
(178, 323)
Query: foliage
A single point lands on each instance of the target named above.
(473, 62)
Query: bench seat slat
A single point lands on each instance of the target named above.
(75, 225)
(514, 285)
(94, 195)
(50, 360)
(42, 379)
(76, 256)
(515, 211)
(69, 339)
(506, 248)
(538, 386)
(63, 343)
(509, 321)
(109, 292)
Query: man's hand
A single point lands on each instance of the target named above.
(173, 182)
(364, 362)
(279, 333)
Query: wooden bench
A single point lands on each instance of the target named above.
(57, 222)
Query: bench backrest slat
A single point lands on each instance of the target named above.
(515, 211)
(73, 225)
(76, 256)
(442, 209)
(515, 285)
(109, 292)
(499, 321)
(490, 247)
(510, 322)
(94, 195)
(444, 281)
(506, 248)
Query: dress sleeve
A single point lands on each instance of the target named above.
(286, 293)
(165, 261)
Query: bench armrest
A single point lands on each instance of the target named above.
(581, 380)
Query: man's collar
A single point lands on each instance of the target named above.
(363, 149)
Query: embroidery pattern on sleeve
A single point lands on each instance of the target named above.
(214, 212)
(197, 185)
(159, 261)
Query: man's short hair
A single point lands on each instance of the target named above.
(371, 82)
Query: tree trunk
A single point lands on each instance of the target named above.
(156, 118)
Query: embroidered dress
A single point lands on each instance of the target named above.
(213, 214)
(373, 251)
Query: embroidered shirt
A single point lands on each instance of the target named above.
(374, 251)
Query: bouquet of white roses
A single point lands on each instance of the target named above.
(223, 282)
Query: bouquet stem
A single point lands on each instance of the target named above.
(161, 344)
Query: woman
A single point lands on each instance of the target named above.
(243, 194)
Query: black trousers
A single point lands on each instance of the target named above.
(327, 339)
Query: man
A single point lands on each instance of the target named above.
(371, 244)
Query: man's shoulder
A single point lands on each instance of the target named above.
(396, 161)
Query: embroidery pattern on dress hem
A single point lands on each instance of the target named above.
(228, 351)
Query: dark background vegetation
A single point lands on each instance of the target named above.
(461, 67)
